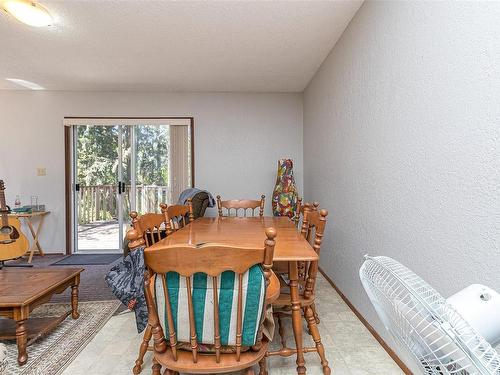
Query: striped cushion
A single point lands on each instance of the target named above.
(203, 305)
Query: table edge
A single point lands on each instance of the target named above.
(277, 259)
(35, 297)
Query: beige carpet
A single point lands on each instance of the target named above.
(52, 354)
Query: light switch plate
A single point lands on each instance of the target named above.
(41, 171)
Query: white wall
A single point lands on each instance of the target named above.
(238, 140)
(402, 144)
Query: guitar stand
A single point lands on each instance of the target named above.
(2, 264)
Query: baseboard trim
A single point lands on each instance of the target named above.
(45, 253)
(374, 333)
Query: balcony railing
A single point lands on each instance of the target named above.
(100, 202)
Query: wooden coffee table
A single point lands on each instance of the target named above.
(21, 290)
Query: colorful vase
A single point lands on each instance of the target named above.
(285, 192)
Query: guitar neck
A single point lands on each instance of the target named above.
(3, 208)
(3, 205)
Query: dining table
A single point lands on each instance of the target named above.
(290, 247)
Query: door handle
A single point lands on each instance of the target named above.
(121, 187)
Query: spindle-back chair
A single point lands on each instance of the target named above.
(282, 267)
(151, 228)
(299, 210)
(313, 229)
(147, 229)
(177, 216)
(240, 206)
(170, 281)
(299, 213)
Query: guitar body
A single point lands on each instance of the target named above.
(13, 243)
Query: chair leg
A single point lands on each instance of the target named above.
(170, 372)
(249, 371)
(316, 316)
(142, 350)
(281, 331)
(313, 328)
(263, 366)
(156, 368)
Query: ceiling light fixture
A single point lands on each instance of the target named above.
(29, 12)
(28, 84)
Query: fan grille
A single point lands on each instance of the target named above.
(433, 332)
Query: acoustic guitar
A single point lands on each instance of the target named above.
(13, 243)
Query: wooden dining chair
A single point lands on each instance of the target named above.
(154, 227)
(313, 229)
(282, 267)
(299, 212)
(207, 304)
(240, 206)
(177, 216)
(151, 226)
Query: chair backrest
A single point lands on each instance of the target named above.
(240, 206)
(177, 216)
(311, 207)
(301, 207)
(150, 226)
(299, 211)
(223, 274)
(313, 229)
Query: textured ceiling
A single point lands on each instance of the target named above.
(174, 46)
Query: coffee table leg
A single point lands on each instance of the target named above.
(21, 337)
(74, 301)
(296, 315)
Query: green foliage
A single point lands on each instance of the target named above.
(152, 155)
(97, 148)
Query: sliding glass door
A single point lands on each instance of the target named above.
(97, 173)
(122, 168)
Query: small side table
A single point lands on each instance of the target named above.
(35, 233)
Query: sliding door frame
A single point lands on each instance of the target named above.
(69, 178)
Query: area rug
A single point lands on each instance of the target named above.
(52, 354)
(87, 259)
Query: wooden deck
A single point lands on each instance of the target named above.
(99, 236)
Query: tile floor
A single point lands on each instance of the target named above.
(350, 348)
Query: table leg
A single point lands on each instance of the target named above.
(21, 338)
(35, 234)
(296, 315)
(74, 300)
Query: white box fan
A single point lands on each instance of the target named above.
(454, 336)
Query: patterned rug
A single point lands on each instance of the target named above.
(52, 354)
